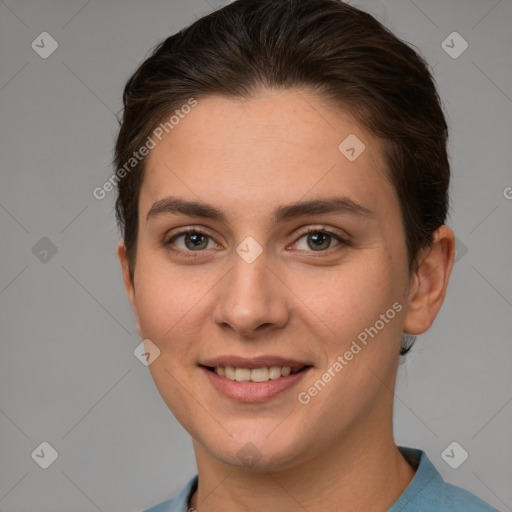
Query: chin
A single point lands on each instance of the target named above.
(256, 451)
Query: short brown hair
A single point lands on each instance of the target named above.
(326, 46)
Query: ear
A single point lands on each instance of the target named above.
(429, 282)
(128, 282)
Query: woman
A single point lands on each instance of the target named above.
(282, 190)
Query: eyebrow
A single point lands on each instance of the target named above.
(334, 205)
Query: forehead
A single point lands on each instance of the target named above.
(272, 149)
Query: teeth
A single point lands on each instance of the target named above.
(274, 372)
(242, 374)
(229, 372)
(256, 374)
(260, 374)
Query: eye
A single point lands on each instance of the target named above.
(192, 240)
(319, 240)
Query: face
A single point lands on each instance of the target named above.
(298, 259)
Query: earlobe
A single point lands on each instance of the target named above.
(127, 280)
(429, 282)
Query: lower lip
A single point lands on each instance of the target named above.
(249, 391)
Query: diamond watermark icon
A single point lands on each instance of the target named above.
(44, 250)
(351, 147)
(454, 45)
(454, 455)
(44, 45)
(249, 454)
(249, 249)
(45, 455)
(460, 250)
(146, 352)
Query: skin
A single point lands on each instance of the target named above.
(248, 158)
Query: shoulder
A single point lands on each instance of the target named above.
(165, 506)
(428, 492)
(455, 498)
(180, 502)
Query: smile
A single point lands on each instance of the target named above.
(253, 380)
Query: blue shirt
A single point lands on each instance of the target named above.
(427, 492)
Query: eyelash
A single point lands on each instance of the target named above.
(198, 231)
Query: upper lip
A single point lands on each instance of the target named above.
(252, 362)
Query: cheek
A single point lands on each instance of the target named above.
(155, 296)
(171, 301)
(365, 312)
(357, 294)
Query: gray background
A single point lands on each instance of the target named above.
(68, 375)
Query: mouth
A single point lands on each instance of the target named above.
(256, 379)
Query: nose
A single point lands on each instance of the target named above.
(251, 300)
